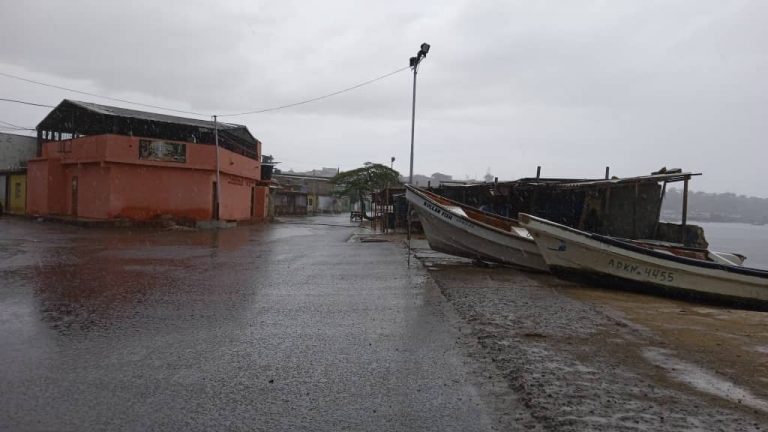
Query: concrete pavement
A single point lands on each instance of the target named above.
(273, 327)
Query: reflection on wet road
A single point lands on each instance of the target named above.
(268, 327)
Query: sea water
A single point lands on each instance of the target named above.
(746, 239)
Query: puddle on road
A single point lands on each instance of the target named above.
(702, 379)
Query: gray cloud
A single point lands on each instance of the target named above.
(508, 85)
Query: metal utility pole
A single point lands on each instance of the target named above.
(413, 125)
(218, 174)
(415, 61)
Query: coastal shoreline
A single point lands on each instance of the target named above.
(581, 358)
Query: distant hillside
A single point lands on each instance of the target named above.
(712, 207)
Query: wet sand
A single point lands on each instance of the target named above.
(583, 358)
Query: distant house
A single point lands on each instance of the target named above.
(303, 194)
(323, 172)
(423, 181)
(105, 162)
(15, 151)
(440, 177)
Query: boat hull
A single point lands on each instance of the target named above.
(454, 234)
(578, 255)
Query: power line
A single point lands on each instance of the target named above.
(371, 81)
(257, 111)
(11, 125)
(26, 103)
(13, 128)
(7, 75)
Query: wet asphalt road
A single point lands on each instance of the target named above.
(274, 327)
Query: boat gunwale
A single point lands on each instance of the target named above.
(421, 194)
(626, 245)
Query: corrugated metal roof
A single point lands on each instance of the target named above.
(145, 115)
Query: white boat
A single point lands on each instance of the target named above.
(458, 229)
(677, 272)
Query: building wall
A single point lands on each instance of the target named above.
(289, 203)
(57, 197)
(46, 185)
(318, 190)
(235, 200)
(93, 191)
(143, 192)
(261, 203)
(16, 150)
(312, 185)
(112, 182)
(125, 149)
(17, 184)
(83, 149)
(51, 189)
(38, 188)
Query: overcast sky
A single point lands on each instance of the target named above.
(573, 86)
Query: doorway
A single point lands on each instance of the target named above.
(73, 201)
(253, 201)
(214, 203)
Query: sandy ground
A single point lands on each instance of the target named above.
(582, 358)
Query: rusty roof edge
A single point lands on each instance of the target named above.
(116, 111)
(564, 182)
(654, 178)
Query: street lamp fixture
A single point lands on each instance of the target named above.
(414, 63)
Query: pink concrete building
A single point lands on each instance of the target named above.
(101, 162)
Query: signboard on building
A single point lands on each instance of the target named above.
(162, 151)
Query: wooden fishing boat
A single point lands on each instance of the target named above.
(461, 230)
(660, 269)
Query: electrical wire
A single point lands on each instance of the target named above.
(26, 103)
(11, 125)
(257, 111)
(371, 81)
(7, 75)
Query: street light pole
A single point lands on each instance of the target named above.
(415, 61)
(413, 124)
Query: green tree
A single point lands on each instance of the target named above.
(359, 182)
